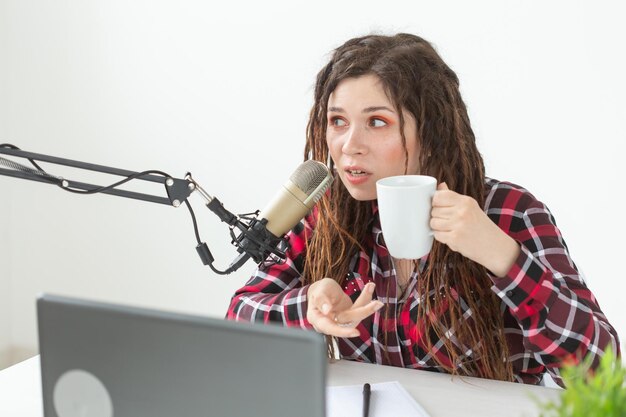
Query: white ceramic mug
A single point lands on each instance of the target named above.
(404, 206)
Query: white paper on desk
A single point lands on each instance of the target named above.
(388, 399)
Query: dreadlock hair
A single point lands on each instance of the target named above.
(415, 79)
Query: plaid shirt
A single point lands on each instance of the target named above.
(549, 313)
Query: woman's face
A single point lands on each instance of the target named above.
(363, 136)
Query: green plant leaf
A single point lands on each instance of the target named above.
(590, 393)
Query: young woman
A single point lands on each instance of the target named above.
(498, 295)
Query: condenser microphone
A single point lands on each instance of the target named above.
(293, 201)
(296, 197)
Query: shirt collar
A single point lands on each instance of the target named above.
(376, 229)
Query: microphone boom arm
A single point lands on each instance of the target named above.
(254, 241)
(178, 190)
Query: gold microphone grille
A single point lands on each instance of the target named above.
(309, 176)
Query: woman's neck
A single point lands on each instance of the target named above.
(404, 269)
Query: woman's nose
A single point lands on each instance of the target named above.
(354, 142)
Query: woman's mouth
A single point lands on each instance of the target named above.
(356, 175)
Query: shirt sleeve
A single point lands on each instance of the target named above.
(275, 292)
(560, 318)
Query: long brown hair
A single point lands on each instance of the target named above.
(415, 79)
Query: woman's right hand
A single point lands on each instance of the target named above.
(332, 312)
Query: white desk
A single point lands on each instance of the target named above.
(20, 390)
(444, 396)
(439, 394)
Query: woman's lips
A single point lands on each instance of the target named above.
(356, 175)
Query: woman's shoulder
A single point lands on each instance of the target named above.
(507, 195)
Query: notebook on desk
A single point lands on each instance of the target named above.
(105, 360)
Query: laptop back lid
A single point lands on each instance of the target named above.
(106, 360)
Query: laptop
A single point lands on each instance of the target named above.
(107, 360)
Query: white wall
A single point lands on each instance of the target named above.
(224, 92)
(5, 221)
(5, 283)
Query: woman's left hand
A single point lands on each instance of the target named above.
(459, 222)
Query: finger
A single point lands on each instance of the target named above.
(322, 301)
(344, 303)
(440, 225)
(322, 304)
(443, 237)
(328, 326)
(330, 309)
(442, 212)
(443, 186)
(330, 297)
(355, 315)
(366, 295)
(445, 198)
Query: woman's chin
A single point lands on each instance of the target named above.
(362, 195)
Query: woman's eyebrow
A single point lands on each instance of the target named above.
(377, 108)
(371, 109)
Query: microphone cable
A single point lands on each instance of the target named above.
(202, 248)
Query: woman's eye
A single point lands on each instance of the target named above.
(376, 122)
(336, 121)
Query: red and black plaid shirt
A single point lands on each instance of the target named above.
(549, 313)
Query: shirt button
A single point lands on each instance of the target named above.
(509, 293)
